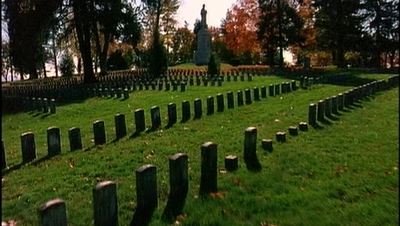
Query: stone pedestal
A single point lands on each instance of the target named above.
(202, 54)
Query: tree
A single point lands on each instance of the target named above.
(279, 26)
(28, 25)
(157, 52)
(107, 15)
(239, 28)
(303, 50)
(182, 50)
(380, 18)
(168, 21)
(338, 27)
(116, 61)
(83, 27)
(67, 65)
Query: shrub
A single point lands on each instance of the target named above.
(157, 59)
(67, 65)
(214, 65)
(116, 61)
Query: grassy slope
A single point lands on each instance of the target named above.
(342, 174)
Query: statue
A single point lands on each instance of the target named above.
(203, 14)
(202, 53)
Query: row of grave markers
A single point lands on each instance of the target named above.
(325, 109)
(76, 91)
(320, 112)
(53, 133)
(105, 206)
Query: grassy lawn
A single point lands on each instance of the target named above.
(343, 174)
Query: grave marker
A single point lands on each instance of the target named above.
(99, 132)
(208, 178)
(75, 141)
(250, 147)
(53, 141)
(105, 204)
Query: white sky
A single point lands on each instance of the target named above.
(189, 10)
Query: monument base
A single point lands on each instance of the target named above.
(202, 55)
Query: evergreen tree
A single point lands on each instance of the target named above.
(338, 27)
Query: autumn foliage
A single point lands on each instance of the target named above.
(239, 28)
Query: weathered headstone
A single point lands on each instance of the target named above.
(321, 111)
(303, 126)
(328, 107)
(75, 140)
(139, 120)
(247, 95)
(172, 118)
(229, 98)
(294, 86)
(231, 162)
(155, 117)
(185, 110)
(126, 94)
(45, 105)
(240, 98)
(256, 93)
(210, 105)
(120, 126)
(263, 92)
(293, 130)
(312, 114)
(220, 102)
(179, 185)
(208, 177)
(52, 106)
(250, 147)
(267, 144)
(277, 89)
(53, 141)
(340, 102)
(198, 109)
(183, 86)
(146, 195)
(99, 132)
(105, 204)
(281, 136)
(53, 213)
(28, 147)
(334, 103)
(271, 90)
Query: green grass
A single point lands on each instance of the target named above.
(343, 174)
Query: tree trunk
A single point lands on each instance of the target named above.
(44, 69)
(103, 54)
(280, 33)
(79, 66)
(33, 74)
(55, 56)
(82, 25)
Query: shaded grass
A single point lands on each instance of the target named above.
(333, 176)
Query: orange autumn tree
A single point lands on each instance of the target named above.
(239, 30)
(305, 49)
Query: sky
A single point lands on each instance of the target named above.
(189, 11)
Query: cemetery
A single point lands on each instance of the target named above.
(217, 147)
(179, 138)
